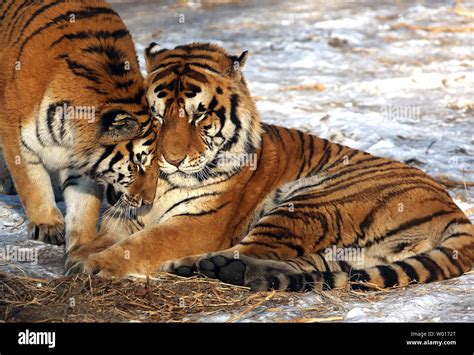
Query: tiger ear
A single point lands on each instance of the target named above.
(238, 63)
(150, 52)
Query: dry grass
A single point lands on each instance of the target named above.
(85, 298)
(164, 298)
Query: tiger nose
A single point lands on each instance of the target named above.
(175, 161)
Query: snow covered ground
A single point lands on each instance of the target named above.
(344, 70)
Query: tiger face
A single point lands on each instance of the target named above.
(123, 156)
(206, 118)
(130, 171)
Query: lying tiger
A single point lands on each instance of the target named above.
(271, 226)
(72, 101)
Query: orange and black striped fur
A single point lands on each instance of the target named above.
(72, 100)
(293, 222)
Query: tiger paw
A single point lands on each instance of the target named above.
(225, 267)
(75, 256)
(79, 253)
(185, 267)
(47, 233)
(47, 226)
(108, 263)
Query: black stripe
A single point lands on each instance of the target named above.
(270, 225)
(4, 14)
(365, 171)
(324, 158)
(350, 156)
(199, 46)
(50, 120)
(97, 90)
(124, 85)
(36, 14)
(189, 199)
(400, 247)
(194, 90)
(296, 282)
(129, 147)
(328, 280)
(409, 270)
(117, 157)
(164, 65)
(141, 113)
(366, 175)
(449, 254)
(344, 266)
(455, 235)
(408, 225)
(353, 197)
(136, 99)
(309, 281)
(203, 213)
(213, 104)
(432, 268)
(456, 221)
(278, 236)
(189, 56)
(205, 66)
(38, 136)
(71, 181)
(149, 142)
(108, 150)
(15, 17)
(326, 265)
(311, 148)
(115, 58)
(195, 75)
(302, 155)
(389, 275)
(369, 218)
(298, 249)
(120, 33)
(81, 70)
(25, 145)
(89, 12)
(234, 102)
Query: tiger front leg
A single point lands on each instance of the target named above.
(83, 199)
(144, 252)
(32, 181)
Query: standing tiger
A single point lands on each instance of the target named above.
(270, 226)
(72, 100)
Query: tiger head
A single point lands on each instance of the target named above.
(208, 122)
(114, 141)
(129, 169)
(117, 150)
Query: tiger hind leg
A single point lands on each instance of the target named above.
(452, 257)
